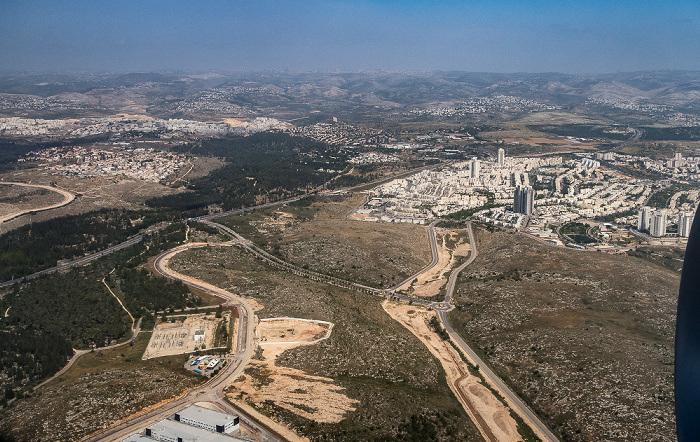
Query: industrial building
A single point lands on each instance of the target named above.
(171, 431)
(138, 438)
(192, 424)
(211, 420)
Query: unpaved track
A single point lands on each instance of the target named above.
(514, 401)
(212, 390)
(490, 416)
(68, 197)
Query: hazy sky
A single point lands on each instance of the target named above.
(495, 36)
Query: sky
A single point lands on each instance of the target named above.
(584, 36)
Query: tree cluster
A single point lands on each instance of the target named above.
(268, 165)
(37, 246)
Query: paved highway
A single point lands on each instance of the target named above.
(513, 400)
(433, 250)
(133, 240)
(212, 391)
(77, 262)
(442, 308)
(637, 135)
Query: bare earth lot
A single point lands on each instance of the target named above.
(313, 397)
(277, 331)
(586, 338)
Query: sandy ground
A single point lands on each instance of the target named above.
(488, 413)
(430, 282)
(178, 337)
(274, 331)
(313, 397)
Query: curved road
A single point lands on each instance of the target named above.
(68, 197)
(440, 307)
(433, 251)
(516, 404)
(211, 391)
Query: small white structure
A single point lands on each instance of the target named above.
(199, 335)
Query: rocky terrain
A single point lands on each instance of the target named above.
(585, 338)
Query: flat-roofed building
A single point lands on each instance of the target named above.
(657, 224)
(171, 431)
(211, 420)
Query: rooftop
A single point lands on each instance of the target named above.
(190, 434)
(202, 414)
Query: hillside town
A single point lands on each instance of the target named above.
(86, 127)
(80, 162)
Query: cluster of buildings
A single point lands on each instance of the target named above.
(373, 158)
(463, 185)
(545, 191)
(140, 163)
(341, 134)
(483, 105)
(85, 127)
(658, 111)
(678, 167)
(655, 222)
(192, 424)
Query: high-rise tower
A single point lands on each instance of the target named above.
(474, 168)
(501, 156)
(524, 200)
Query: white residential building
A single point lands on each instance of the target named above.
(644, 218)
(657, 224)
(685, 222)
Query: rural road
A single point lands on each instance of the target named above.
(515, 403)
(68, 197)
(211, 391)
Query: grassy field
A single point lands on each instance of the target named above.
(401, 388)
(586, 338)
(100, 388)
(321, 238)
